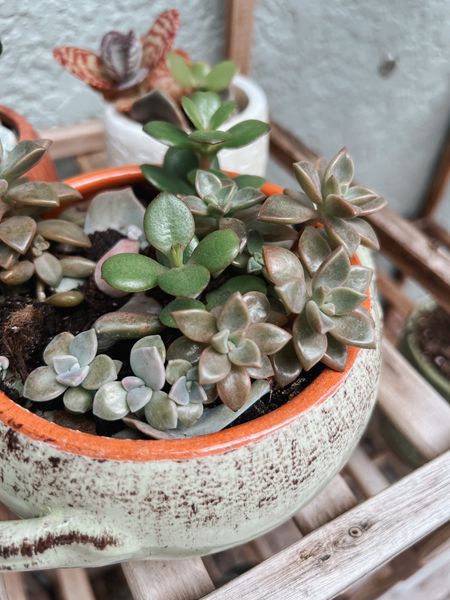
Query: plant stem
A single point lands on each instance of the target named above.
(205, 162)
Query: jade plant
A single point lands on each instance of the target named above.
(183, 265)
(233, 296)
(26, 238)
(198, 148)
(200, 75)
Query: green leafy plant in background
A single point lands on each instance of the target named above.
(200, 75)
(199, 147)
(327, 197)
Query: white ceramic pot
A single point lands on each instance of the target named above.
(126, 143)
(91, 500)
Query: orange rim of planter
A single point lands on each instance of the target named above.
(76, 442)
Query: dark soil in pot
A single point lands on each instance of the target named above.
(27, 326)
(432, 332)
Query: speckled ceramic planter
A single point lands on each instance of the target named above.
(89, 500)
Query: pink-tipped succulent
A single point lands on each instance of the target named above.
(126, 65)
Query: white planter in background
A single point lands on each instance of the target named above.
(126, 143)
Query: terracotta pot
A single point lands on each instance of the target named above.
(45, 169)
(127, 143)
(90, 500)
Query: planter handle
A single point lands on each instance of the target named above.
(70, 537)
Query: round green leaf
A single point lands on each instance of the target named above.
(168, 222)
(240, 283)
(164, 180)
(220, 76)
(210, 137)
(217, 250)
(191, 110)
(188, 280)
(246, 132)
(180, 70)
(222, 114)
(131, 272)
(165, 316)
(206, 104)
(180, 161)
(167, 133)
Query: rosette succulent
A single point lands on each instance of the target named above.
(236, 344)
(74, 369)
(24, 238)
(327, 197)
(326, 301)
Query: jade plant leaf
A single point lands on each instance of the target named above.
(240, 283)
(167, 133)
(217, 250)
(180, 69)
(168, 223)
(165, 181)
(246, 132)
(220, 76)
(222, 114)
(189, 280)
(132, 272)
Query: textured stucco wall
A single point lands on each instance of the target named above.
(319, 62)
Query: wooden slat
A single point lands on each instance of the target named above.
(168, 580)
(401, 241)
(334, 500)
(414, 253)
(83, 138)
(239, 34)
(438, 181)
(413, 406)
(439, 234)
(3, 593)
(333, 557)
(392, 292)
(73, 584)
(15, 586)
(368, 477)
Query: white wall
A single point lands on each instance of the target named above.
(319, 61)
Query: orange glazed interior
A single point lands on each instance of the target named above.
(76, 442)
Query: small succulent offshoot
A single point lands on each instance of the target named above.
(25, 239)
(200, 75)
(184, 265)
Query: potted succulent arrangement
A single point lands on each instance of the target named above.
(142, 79)
(181, 370)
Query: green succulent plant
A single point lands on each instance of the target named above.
(327, 197)
(200, 75)
(25, 239)
(184, 265)
(74, 369)
(236, 343)
(326, 302)
(198, 148)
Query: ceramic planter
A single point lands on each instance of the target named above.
(411, 350)
(89, 500)
(126, 143)
(45, 169)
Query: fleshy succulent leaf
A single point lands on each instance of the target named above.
(41, 385)
(269, 338)
(246, 354)
(213, 366)
(168, 223)
(165, 316)
(313, 248)
(131, 272)
(220, 76)
(234, 314)
(110, 402)
(246, 132)
(217, 250)
(309, 345)
(146, 363)
(234, 389)
(282, 265)
(189, 280)
(334, 271)
(341, 166)
(354, 329)
(308, 179)
(281, 208)
(197, 325)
